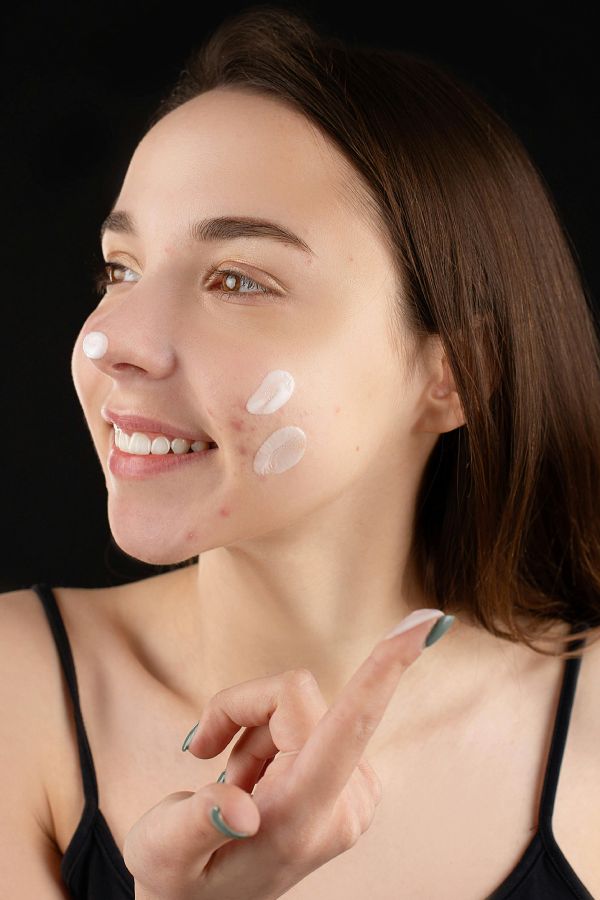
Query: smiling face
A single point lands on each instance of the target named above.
(284, 358)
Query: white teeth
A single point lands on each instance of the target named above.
(141, 445)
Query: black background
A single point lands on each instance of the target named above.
(80, 82)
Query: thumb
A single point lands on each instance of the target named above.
(170, 846)
(236, 816)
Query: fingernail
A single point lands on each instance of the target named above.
(218, 822)
(188, 737)
(221, 777)
(439, 630)
(417, 617)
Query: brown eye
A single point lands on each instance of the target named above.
(105, 276)
(232, 279)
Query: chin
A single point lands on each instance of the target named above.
(154, 548)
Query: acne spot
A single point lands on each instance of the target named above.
(357, 448)
(237, 424)
(337, 409)
(225, 512)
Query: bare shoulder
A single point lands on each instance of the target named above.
(35, 711)
(29, 691)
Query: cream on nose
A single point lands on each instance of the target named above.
(95, 344)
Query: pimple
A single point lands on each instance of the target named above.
(337, 409)
(237, 424)
(225, 512)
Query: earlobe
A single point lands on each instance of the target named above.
(455, 412)
(444, 416)
(440, 417)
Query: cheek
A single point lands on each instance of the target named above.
(273, 443)
(277, 426)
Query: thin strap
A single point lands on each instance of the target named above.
(46, 595)
(559, 735)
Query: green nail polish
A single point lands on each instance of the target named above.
(221, 777)
(188, 738)
(218, 822)
(439, 630)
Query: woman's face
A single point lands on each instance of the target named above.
(189, 346)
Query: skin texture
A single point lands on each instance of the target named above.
(309, 567)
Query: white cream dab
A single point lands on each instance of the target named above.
(95, 344)
(275, 389)
(281, 450)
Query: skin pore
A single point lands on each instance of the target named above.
(306, 567)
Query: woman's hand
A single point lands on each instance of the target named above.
(309, 805)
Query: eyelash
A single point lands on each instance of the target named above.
(102, 279)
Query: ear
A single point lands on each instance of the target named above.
(441, 409)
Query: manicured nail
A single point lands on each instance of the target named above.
(218, 822)
(221, 777)
(416, 617)
(188, 738)
(439, 630)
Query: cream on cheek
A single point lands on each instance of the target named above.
(285, 446)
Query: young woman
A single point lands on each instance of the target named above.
(342, 371)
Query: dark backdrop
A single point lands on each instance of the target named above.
(80, 81)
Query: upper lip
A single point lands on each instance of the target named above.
(131, 422)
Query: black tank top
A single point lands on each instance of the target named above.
(93, 868)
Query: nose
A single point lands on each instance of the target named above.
(116, 354)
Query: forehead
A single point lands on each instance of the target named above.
(231, 150)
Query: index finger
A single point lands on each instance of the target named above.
(337, 743)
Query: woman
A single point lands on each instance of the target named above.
(342, 370)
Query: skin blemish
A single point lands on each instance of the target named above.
(225, 512)
(237, 424)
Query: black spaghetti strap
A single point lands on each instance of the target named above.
(559, 734)
(90, 785)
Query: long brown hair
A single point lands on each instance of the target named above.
(507, 523)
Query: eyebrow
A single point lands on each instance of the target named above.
(215, 229)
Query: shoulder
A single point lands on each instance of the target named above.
(29, 692)
(36, 716)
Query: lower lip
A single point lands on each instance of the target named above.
(136, 466)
